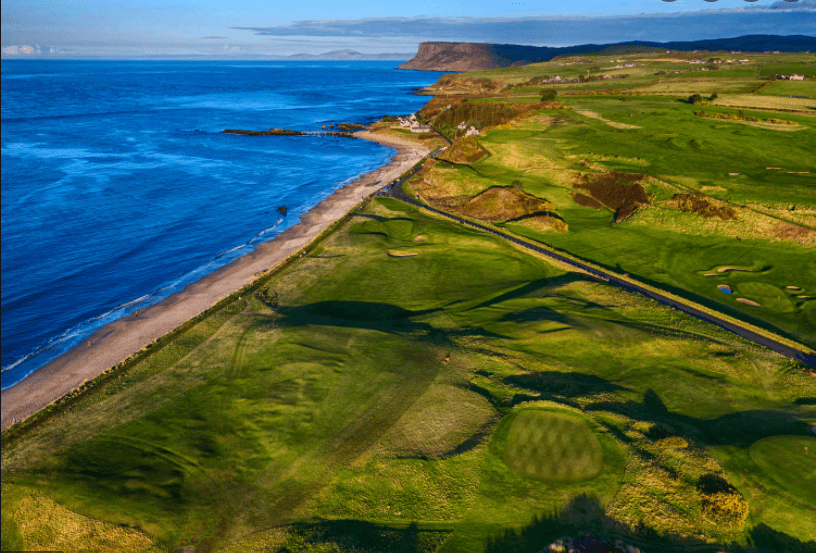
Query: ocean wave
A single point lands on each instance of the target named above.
(75, 335)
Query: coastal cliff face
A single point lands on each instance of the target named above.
(471, 56)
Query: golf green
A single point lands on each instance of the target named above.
(552, 446)
(790, 461)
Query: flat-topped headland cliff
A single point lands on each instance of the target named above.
(474, 56)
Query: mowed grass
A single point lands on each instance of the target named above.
(790, 462)
(552, 446)
(356, 401)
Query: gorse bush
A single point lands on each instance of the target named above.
(477, 114)
(721, 501)
(699, 204)
(620, 192)
(740, 116)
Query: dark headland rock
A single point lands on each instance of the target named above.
(474, 56)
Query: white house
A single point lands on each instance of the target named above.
(797, 77)
(472, 131)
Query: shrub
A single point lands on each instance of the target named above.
(699, 204)
(621, 192)
(548, 95)
(721, 501)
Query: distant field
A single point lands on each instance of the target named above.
(795, 63)
(768, 101)
(790, 88)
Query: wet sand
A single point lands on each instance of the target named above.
(120, 339)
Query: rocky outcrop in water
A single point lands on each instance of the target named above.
(281, 132)
(286, 132)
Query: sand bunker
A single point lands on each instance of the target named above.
(733, 174)
(725, 288)
(392, 253)
(726, 269)
(794, 288)
(420, 238)
(805, 298)
(773, 168)
(711, 274)
(748, 302)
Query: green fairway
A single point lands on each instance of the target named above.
(552, 446)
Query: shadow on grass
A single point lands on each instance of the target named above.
(739, 429)
(534, 288)
(368, 316)
(584, 525)
(361, 537)
(558, 386)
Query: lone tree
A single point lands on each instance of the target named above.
(713, 97)
(696, 99)
(548, 94)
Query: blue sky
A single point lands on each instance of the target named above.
(264, 29)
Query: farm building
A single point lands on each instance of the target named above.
(418, 128)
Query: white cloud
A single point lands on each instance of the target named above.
(21, 49)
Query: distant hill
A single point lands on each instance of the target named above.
(473, 56)
(349, 55)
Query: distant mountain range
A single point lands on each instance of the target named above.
(349, 55)
(473, 56)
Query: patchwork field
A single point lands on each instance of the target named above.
(410, 384)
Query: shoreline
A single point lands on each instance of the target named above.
(124, 337)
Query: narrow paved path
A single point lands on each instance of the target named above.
(394, 190)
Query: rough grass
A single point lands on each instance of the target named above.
(45, 525)
(703, 206)
(541, 223)
(500, 203)
(465, 151)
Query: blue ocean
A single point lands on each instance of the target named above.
(118, 187)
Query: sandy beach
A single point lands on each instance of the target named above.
(122, 338)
